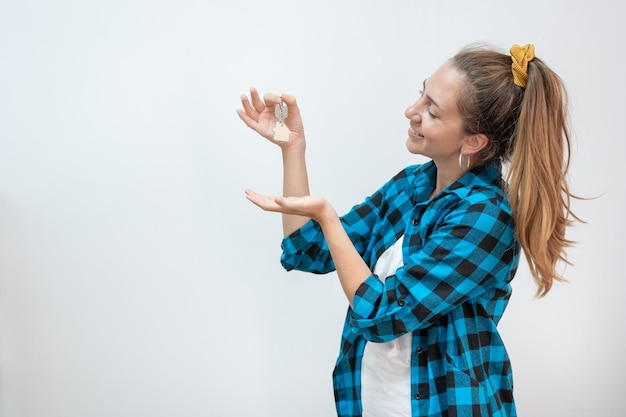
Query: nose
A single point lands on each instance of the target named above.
(412, 112)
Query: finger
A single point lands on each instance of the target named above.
(265, 202)
(291, 103)
(249, 121)
(292, 108)
(245, 102)
(288, 205)
(271, 99)
(288, 99)
(251, 194)
(253, 198)
(257, 103)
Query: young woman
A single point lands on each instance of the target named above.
(427, 260)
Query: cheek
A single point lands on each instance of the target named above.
(428, 129)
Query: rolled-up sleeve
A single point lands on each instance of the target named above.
(471, 250)
(306, 249)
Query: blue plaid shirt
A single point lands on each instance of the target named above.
(460, 254)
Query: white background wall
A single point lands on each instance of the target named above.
(136, 280)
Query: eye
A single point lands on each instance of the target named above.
(430, 113)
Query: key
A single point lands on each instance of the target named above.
(281, 131)
(281, 112)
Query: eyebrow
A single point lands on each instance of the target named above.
(427, 96)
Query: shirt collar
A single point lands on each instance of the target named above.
(479, 176)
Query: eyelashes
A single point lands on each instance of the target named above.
(421, 94)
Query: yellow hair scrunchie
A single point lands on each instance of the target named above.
(521, 56)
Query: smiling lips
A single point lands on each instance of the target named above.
(414, 133)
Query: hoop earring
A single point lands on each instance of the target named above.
(461, 162)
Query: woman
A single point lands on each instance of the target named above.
(426, 261)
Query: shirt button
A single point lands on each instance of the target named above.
(419, 350)
(418, 396)
(415, 222)
(401, 302)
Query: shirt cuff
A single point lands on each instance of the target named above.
(294, 244)
(367, 298)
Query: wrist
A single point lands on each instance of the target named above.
(327, 216)
(296, 147)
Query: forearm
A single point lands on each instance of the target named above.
(350, 266)
(295, 184)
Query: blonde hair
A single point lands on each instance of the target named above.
(527, 128)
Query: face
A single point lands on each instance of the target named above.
(436, 127)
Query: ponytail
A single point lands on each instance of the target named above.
(523, 109)
(537, 176)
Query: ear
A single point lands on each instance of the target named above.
(474, 144)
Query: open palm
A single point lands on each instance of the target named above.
(308, 206)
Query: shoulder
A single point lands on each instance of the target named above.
(481, 185)
(483, 215)
(477, 196)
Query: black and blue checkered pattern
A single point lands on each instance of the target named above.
(460, 254)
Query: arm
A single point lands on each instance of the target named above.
(295, 183)
(307, 249)
(259, 115)
(343, 244)
(351, 268)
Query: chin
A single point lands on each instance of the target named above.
(412, 148)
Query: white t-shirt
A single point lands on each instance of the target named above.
(386, 367)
